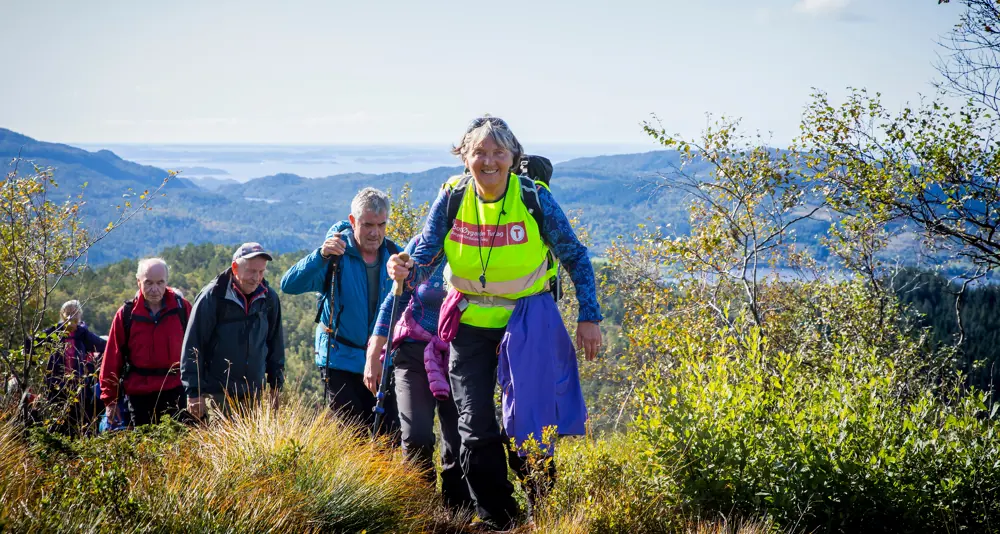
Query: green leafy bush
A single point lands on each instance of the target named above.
(842, 428)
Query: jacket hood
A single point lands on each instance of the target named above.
(347, 232)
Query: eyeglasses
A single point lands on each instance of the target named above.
(495, 121)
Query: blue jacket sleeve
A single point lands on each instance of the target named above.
(429, 252)
(559, 235)
(338, 227)
(385, 311)
(306, 275)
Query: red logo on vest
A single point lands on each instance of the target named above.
(517, 233)
(512, 233)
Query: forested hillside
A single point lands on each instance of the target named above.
(933, 298)
(611, 195)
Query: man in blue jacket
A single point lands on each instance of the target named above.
(351, 261)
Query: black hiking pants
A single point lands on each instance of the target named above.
(416, 419)
(484, 451)
(348, 397)
(147, 409)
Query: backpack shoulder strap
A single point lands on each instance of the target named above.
(219, 291)
(123, 350)
(391, 247)
(219, 294)
(268, 301)
(127, 308)
(456, 192)
(529, 195)
(182, 311)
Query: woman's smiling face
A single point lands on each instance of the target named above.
(490, 163)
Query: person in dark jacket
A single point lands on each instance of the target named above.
(70, 370)
(144, 355)
(416, 348)
(359, 249)
(234, 341)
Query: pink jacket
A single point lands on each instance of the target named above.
(435, 353)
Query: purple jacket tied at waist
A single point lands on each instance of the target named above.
(435, 353)
(538, 373)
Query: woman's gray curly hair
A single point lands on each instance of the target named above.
(487, 126)
(70, 308)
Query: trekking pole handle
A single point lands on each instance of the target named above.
(397, 285)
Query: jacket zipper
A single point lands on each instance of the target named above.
(246, 313)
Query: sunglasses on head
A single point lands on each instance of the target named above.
(495, 121)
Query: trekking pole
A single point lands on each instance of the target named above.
(397, 290)
(334, 326)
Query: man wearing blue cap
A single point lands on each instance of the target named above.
(234, 339)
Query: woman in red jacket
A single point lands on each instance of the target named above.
(142, 360)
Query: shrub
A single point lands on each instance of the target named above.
(841, 428)
(605, 486)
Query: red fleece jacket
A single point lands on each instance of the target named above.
(152, 344)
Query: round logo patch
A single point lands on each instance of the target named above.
(517, 233)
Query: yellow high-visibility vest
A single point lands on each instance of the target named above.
(503, 249)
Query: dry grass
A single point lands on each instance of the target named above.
(726, 527)
(17, 471)
(298, 470)
(578, 523)
(304, 470)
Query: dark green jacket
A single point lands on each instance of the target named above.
(230, 348)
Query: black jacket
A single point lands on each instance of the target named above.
(229, 348)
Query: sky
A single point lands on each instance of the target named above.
(398, 71)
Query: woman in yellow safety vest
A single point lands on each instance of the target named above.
(499, 256)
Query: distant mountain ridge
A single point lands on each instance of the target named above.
(650, 162)
(77, 165)
(287, 212)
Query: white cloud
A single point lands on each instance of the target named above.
(822, 7)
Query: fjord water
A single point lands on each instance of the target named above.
(243, 162)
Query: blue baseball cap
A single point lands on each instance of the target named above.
(251, 250)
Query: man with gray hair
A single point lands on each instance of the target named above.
(142, 361)
(348, 272)
(234, 345)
